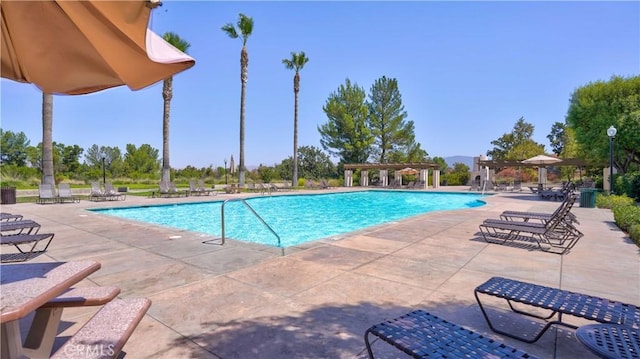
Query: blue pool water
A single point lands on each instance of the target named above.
(297, 218)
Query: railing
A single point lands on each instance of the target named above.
(253, 211)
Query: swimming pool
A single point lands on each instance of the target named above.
(297, 218)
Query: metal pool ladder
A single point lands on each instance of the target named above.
(252, 211)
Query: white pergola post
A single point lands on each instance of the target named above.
(398, 178)
(542, 176)
(364, 178)
(424, 176)
(436, 178)
(384, 178)
(348, 178)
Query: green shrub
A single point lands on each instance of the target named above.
(629, 184)
(611, 201)
(626, 216)
(634, 233)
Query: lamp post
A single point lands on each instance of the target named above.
(226, 178)
(104, 176)
(611, 132)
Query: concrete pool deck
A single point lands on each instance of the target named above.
(248, 301)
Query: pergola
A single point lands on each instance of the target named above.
(422, 167)
(542, 169)
(575, 162)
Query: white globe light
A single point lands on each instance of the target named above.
(611, 131)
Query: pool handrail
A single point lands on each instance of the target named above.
(253, 211)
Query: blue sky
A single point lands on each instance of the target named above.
(467, 71)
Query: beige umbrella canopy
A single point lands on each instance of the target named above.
(408, 171)
(542, 160)
(79, 47)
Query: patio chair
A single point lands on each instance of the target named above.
(541, 216)
(193, 189)
(25, 226)
(46, 193)
(25, 244)
(7, 217)
(203, 189)
(557, 235)
(557, 302)
(65, 194)
(96, 194)
(420, 334)
(110, 193)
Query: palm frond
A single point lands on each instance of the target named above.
(245, 25)
(176, 41)
(230, 30)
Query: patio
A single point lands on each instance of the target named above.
(247, 301)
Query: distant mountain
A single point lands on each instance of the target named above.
(467, 160)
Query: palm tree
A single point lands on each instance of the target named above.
(296, 62)
(47, 139)
(167, 95)
(245, 26)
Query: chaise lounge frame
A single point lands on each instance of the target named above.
(558, 302)
(557, 235)
(420, 334)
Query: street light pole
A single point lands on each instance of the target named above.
(226, 178)
(104, 176)
(611, 132)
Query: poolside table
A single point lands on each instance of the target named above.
(27, 286)
(611, 340)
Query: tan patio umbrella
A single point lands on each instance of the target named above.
(542, 161)
(408, 171)
(79, 47)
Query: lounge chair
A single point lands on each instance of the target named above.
(7, 217)
(420, 334)
(110, 193)
(96, 194)
(203, 189)
(26, 245)
(557, 235)
(46, 193)
(193, 189)
(24, 226)
(65, 194)
(168, 189)
(541, 216)
(557, 301)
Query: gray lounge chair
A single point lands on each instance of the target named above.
(23, 226)
(203, 189)
(46, 194)
(421, 334)
(26, 245)
(541, 216)
(553, 300)
(97, 194)
(65, 194)
(110, 193)
(4, 216)
(557, 235)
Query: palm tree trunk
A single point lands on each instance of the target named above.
(167, 94)
(47, 139)
(296, 89)
(244, 72)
